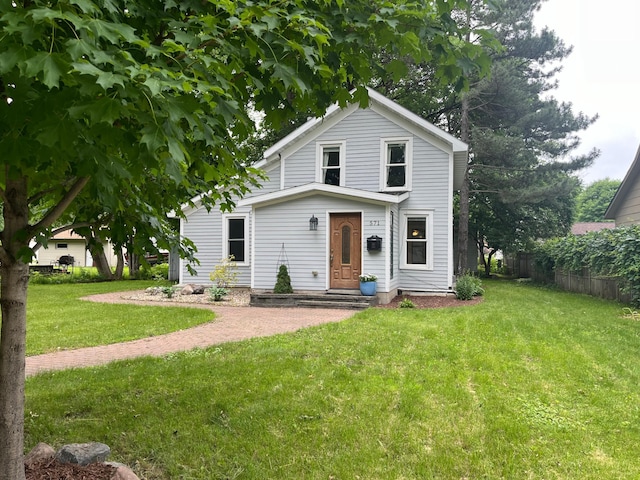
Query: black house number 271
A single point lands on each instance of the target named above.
(374, 223)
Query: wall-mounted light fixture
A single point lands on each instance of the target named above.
(313, 223)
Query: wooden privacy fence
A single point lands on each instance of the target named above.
(522, 265)
(603, 287)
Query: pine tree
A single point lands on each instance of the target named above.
(521, 182)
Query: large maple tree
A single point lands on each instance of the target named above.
(117, 95)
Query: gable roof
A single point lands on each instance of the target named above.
(390, 110)
(630, 179)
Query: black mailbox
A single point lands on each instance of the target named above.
(374, 243)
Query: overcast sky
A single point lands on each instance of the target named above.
(601, 76)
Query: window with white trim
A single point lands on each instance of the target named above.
(417, 244)
(396, 160)
(236, 236)
(331, 161)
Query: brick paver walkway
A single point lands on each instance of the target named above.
(231, 324)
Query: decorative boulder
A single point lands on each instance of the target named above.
(124, 473)
(192, 289)
(40, 452)
(83, 453)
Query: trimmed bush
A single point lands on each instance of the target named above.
(283, 281)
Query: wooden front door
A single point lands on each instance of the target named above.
(345, 250)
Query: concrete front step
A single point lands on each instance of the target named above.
(312, 300)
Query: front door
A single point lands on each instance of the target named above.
(345, 250)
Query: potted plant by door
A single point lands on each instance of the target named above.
(368, 284)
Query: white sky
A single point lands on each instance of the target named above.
(602, 75)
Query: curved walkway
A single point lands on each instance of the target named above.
(230, 324)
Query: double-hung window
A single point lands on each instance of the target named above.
(235, 231)
(331, 161)
(417, 244)
(396, 159)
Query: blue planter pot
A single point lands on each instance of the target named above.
(368, 288)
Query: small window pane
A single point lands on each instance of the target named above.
(331, 157)
(332, 176)
(396, 152)
(346, 245)
(417, 253)
(236, 248)
(416, 228)
(396, 177)
(236, 228)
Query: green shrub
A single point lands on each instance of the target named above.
(159, 271)
(607, 253)
(217, 293)
(225, 274)
(283, 282)
(468, 286)
(406, 303)
(75, 275)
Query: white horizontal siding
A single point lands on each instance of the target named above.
(306, 251)
(204, 229)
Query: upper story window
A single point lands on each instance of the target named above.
(236, 238)
(396, 160)
(331, 161)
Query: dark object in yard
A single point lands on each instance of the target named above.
(66, 260)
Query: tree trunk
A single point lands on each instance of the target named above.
(96, 248)
(101, 263)
(120, 264)
(14, 280)
(465, 136)
(463, 214)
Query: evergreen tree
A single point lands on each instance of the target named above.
(520, 184)
(283, 281)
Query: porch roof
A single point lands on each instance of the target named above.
(323, 189)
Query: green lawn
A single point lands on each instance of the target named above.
(57, 319)
(530, 384)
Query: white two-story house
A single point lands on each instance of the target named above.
(359, 190)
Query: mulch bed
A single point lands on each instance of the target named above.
(432, 301)
(53, 470)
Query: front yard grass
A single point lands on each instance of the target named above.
(530, 384)
(58, 320)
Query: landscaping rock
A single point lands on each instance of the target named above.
(40, 452)
(124, 473)
(192, 289)
(83, 453)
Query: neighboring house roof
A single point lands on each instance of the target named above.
(632, 177)
(389, 109)
(321, 188)
(586, 227)
(67, 235)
